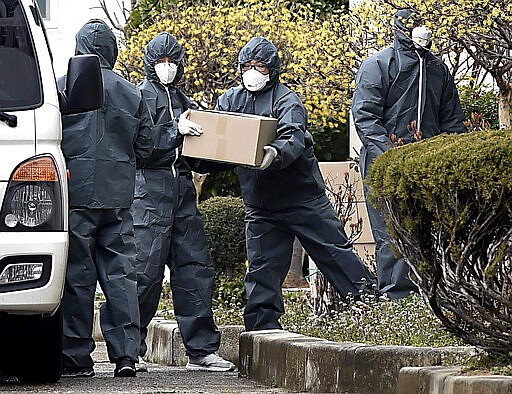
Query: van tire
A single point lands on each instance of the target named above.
(34, 347)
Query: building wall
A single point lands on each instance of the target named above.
(63, 20)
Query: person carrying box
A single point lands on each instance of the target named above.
(285, 196)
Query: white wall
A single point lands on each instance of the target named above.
(66, 18)
(354, 140)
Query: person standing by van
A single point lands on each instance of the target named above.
(169, 229)
(101, 148)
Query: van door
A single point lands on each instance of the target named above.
(20, 89)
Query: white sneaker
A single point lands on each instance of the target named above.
(212, 362)
(141, 366)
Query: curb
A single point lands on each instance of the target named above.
(279, 358)
(300, 363)
(166, 347)
(447, 380)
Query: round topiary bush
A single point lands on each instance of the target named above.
(224, 225)
(448, 206)
(225, 229)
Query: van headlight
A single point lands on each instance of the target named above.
(33, 198)
(32, 204)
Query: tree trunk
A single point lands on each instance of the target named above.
(505, 97)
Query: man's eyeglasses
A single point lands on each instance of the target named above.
(166, 60)
(262, 68)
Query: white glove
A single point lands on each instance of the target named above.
(187, 127)
(268, 158)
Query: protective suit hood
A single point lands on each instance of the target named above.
(97, 38)
(163, 45)
(405, 21)
(262, 50)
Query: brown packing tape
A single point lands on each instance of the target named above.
(221, 143)
(221, 148)
(220, 127)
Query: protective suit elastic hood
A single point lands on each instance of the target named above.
(261, 49)
(405, 21)
(96, 38)
(163, 45)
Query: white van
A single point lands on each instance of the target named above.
(33, 190)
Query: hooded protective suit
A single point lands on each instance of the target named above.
(101, 148)
(168, 226)
(396, 88)
(285, 200)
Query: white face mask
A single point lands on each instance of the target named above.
(254, 80)
(166, 72)
(421, 37)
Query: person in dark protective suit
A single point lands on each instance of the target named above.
(285, 197)
(403, 93)
(100, 148)
(168, 226)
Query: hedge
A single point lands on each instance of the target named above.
(224, 225)
(448, 206)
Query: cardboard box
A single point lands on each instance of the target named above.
(334, 177)
(230, 137)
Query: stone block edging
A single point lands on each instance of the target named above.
(299, 363)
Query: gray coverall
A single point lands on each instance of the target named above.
(386, 101)
(287, 199)
(168, 226)
(100, 148)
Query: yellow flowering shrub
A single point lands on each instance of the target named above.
(316, 57)
(372, 21)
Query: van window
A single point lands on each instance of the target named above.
(20, 85)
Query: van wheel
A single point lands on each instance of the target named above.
(34, 345)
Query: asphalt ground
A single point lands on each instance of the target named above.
(159, 379)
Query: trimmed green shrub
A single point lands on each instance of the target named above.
(225, 229)
(222, 183)
(448, 206)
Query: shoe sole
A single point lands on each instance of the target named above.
(125, 372)
(78, 375)
(194, 367)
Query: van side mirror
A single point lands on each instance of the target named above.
(84, 85)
